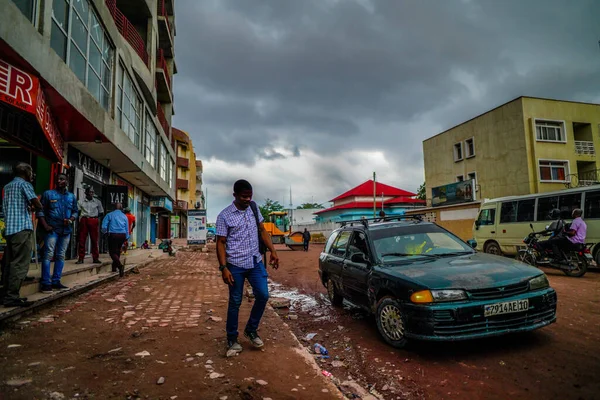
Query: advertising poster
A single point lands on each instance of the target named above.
(453, 193)
(196, 227)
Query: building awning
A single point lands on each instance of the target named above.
(24, 102)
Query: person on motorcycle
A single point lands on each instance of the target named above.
(573, 238)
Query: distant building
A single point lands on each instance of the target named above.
(186, 182)
(358, 203)
(528, 145)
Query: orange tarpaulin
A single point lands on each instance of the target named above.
(23, 90)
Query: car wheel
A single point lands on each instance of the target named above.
(334, 295)
(390, 322)
(492, 248)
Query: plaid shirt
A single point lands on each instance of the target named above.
(239, 227)
(17, 195)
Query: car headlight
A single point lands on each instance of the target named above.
(539, 282)
(430, 296)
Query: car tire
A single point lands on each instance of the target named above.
(334, 295)
(492, 248)
(390, 322)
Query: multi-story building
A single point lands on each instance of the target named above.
(185, 182)
(200, 196)
(528, 145)
(86, 88)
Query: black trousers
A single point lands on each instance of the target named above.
(558, 246)
(115, 243)
(306, 245)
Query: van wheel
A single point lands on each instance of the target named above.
(390, 322)
(492, 248)
(334, 295)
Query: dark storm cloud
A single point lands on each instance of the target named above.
(330, 76)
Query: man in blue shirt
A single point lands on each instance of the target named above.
(18, 194)
(116, 225)
(59, 213)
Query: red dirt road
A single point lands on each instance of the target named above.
(561, 361)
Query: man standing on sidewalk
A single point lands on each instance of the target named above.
(18, 194)
(116, 225)
(59, 212)
(131, 224)
(90, 210)
(238, 250)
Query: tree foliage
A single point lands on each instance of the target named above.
(422, 192)
(269, 207)
(306, 206)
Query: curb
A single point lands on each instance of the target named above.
(18, 312)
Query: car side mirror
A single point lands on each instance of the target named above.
(359, 258)
(472, 243)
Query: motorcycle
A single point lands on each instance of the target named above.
(576, 263)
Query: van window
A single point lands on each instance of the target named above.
(339, 248)
(545, 206)
(526, 210)
(592, 205)
(567, 203)
(508, 212)
(487, 217)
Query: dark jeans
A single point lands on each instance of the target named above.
(257, 277)
(558, 246)
(17, 258)
(306, 245)
(115, 243)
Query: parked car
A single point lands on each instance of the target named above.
(423, 282)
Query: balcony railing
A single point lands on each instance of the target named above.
(162, 119)
(162, 12)
(183, 184)
(161, 63)
(183, 162)
(585, 147)
(128, 31)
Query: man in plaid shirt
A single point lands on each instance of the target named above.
(18, 196)
(239, 257)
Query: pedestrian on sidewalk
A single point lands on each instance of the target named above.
(306, 238)
(116, 225)
(90, 211)
(240, 232)
(59, 212)
(131, 224)
(18, 195)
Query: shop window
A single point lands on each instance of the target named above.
(150, 142)
(81, 41)
(129, 107)
(163, 161)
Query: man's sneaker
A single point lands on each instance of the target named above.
(96, 262)
(79, 262)
(18, 303)
(233, 348)
(46, 289)
(59, 286)
(254, 339)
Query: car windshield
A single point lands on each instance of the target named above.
(416, 241)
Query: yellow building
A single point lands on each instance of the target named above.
(528, 145)
(185, 183)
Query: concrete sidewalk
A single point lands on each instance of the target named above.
(77, 277)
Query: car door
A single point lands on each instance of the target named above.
(333, 260)
(355, 274)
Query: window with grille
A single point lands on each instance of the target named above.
(129, 107)
(553, 171)
(550, 131)
(79, 38)
(150, 142)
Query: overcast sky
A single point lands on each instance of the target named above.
(318, 94)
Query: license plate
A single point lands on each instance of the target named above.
(588, 256)
(506, 307)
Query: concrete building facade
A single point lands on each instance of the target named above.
(102, 96)
(528, 145)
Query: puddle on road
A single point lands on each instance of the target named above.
(298, 301)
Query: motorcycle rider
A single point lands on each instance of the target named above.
(570, 239)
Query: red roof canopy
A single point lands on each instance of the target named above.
(366, 189)
(369, 205)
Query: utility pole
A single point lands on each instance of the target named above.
(374, 195)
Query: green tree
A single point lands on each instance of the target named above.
(269, 207)
(305, 206)
(422, 192)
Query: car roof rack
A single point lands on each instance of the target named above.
(365, 222)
